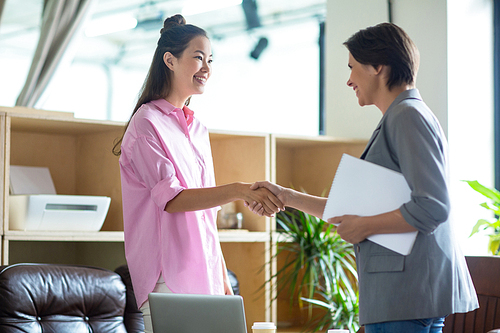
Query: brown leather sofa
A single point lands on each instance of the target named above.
(485, 273)
(66, 298)
(69, 298)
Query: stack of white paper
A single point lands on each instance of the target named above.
(365, 189)
(30, 180)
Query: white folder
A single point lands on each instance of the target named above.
(365, 189)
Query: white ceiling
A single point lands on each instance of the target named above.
(20, 22)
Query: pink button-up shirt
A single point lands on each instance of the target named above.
(162, 155)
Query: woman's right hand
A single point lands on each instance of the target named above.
(276, 190)
(267, 202)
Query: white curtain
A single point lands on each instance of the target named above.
(2, 3)
(61, 20)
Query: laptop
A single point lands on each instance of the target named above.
(190, 313)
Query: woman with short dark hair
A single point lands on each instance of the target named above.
(387, 44)
(413, 293)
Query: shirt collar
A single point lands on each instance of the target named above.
(189, 114)
(407, 94)
(167, 108)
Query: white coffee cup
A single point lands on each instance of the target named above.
(263, 327)
(338, 331)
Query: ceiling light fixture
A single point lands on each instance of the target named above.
(251, 15)
(110, 24)
(152, 22)
(194, 7)
(259, 47)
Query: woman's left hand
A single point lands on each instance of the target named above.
(355, 229)
(350, 228)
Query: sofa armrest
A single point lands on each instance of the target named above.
(134, 322)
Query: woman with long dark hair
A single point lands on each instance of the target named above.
(170, 199)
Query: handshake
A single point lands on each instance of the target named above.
(265, 198)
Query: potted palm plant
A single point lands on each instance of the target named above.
(318, 271)
(493, 205)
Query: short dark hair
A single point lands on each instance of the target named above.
(386, 44)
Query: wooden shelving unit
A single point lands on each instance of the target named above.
(305, 164)
(78, 155)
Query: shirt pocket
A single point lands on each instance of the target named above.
(379, 263)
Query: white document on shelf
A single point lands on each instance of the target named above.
(30, 180)
(364, 188)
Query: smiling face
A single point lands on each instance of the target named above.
(191, 70)
(364, 81)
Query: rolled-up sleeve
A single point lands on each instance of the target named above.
(155, 171)
(419, 151)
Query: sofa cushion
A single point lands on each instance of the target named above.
(60, 298)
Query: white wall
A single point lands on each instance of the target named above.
(277, 93)
(344, 117)
(470, 111)
(425, 21)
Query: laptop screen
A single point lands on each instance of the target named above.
(190, 313)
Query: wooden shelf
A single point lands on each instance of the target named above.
(229, 236)
(78, 155)
(307, 164)
(243, 236)
(281, 237)
(64, 236)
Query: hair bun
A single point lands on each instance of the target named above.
(173, 21)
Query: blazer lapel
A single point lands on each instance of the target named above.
(370, 142)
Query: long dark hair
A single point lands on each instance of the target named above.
(386, 44)
(175, 38)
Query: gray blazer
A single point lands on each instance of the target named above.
(433, 280)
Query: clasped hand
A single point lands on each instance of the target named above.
(269, 202)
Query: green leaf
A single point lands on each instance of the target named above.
(487, 206)
(490, 193)
(319, 303)
(478, 225)
(494, 245)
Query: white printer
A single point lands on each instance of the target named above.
(34, 204)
